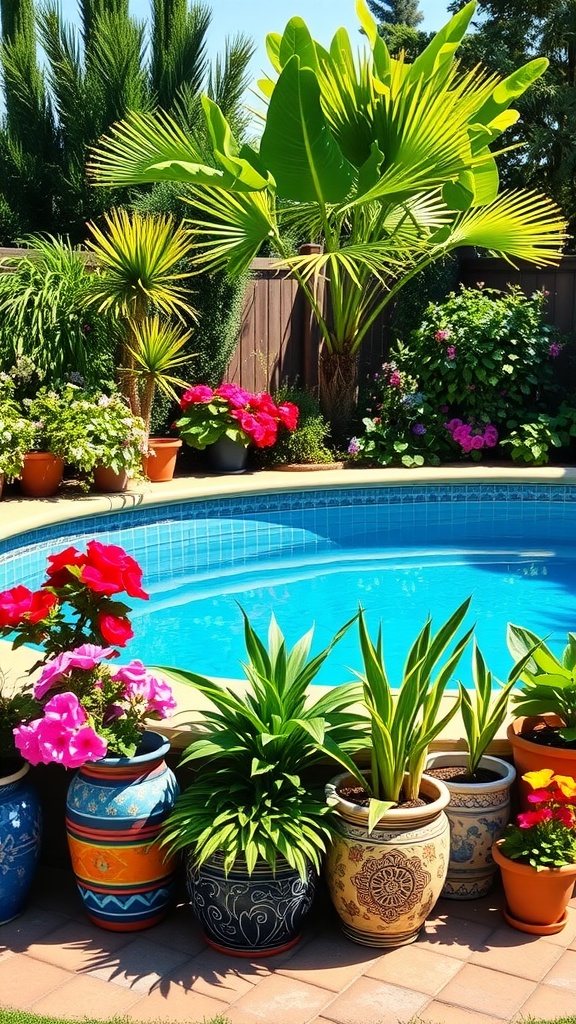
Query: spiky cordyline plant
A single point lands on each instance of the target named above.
(387, 163)
(248, 800)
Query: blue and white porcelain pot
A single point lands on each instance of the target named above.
(250, 915)
(20, 834)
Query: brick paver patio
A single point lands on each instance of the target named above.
(467, 967)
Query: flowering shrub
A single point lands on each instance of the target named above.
(484, 353)
(209, 414)
(77, 603)
(117, 438)
(88, 708)
(16, 432)
(400, 429)
(545, 837)
(91, 708)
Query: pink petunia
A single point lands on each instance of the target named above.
(67, 709)
(85, 745)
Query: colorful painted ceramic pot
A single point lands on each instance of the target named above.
(385, 884)
(478, 814)
(20, 834)
(114, 814)
(250, 915)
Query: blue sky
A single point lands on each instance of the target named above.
(258, 17)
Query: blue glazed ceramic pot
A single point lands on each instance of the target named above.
(20, 834)
(114, 814)
(250, 915)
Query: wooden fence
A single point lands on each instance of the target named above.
(278, 339)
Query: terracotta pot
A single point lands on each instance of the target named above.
(160, 467)
(531, 757)
(384, 884)
(41, 474)
(105, 479)
(478, 813)
(536, 901)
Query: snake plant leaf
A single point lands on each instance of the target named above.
(296, 39)
(298, 146)
(242, 164)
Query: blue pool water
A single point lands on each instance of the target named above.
(313, 557)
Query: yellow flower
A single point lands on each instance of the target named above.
(567, 784)
(539, 780)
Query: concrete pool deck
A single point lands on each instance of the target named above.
(467, 967)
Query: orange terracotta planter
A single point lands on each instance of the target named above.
(533, 757)
(536, 901)
(160, 466)
(105, 479)
(41, 474)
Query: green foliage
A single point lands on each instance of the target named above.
(16, 432)
(308, 443)
(531, 441)
(405, 716)
(484, 354)
(549, 845)
(432, 285)
(396, 12)
(549, 684)
(247, 800)
(17, 707)
(89, 78)
(484, 712)
(43, 314)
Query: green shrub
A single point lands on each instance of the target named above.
(306, 445)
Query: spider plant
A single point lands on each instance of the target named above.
(248, 799)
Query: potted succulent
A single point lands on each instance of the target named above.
(228, 419)
(537, 855)
(20, 816)
(388, 860)
(479, 784)
(92, 717)
(543, 733)
(253, 831)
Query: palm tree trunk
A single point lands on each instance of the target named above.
(338, 375)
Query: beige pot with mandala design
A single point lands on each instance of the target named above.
(384, 885)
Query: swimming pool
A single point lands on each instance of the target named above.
(313, 555)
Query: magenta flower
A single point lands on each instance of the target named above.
(85, 745)
(442, 335)
(451, 352)
(67, 708)
(555, 350)
(86, 657)
(26, 741)
(477, 441)
(395, 379)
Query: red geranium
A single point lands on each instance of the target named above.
(109, 570)
(58, 566)
(115, 629)
(20, 605)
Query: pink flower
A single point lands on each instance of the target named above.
(451, 352)
(289, 415)
(56, 669)
(85, 745)
(442, 335)
(453, 424)
(530, 818)
(236, 396)
(67, 708)
(555, 350)
(395, 379)
(26, 741)
(477, 441)
(200, 393)
(53, 740)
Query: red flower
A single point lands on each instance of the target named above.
(288, 413)
(20, 605)
(234, 395)
(565, 816)
(57, 571)
(530, 818)
(115, 629)
(264, 403)
(109, 570)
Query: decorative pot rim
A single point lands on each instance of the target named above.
(6, 780)
(516, 738)
(526, 869)
(506, 771)
(396, 817)
(43, 455)
(164, 442)
(158, 747)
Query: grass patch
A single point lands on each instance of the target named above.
(27, 1017)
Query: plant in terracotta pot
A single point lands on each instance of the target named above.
(16, 432)
(254, 831)
(537, 855)
(479, 784)
(20, 816)
(388, 861)
(228, 419)
(118, 440)
(543, 733)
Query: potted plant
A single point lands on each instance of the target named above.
(388, 860)
(140, 270)
(118, 440)
(228, 419)
(60, 436)
(16, 433)
(92, 717)
(537, 855)
(543, 733)
(253, 831)
(479, 784)
(20, 816)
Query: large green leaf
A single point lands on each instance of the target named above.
(443, 46)
(298, 146)
(296, 39)
(246, 169)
